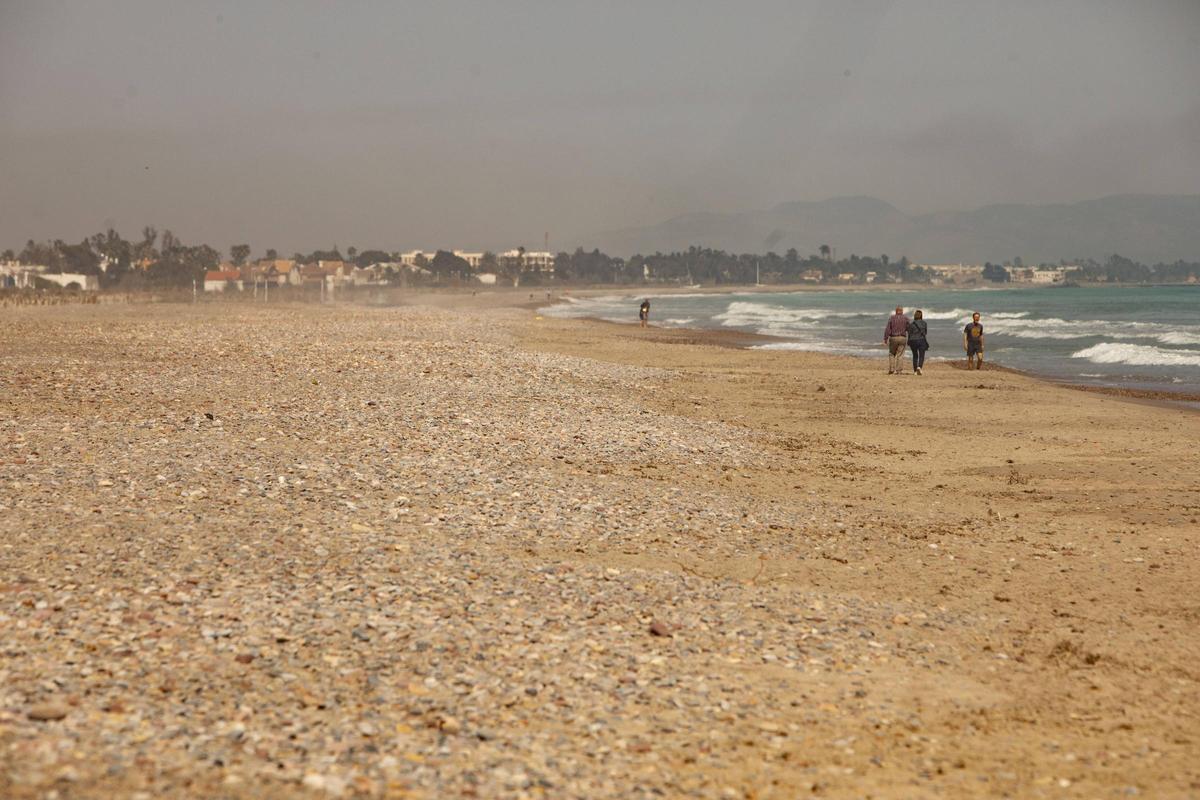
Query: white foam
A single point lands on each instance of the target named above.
(821, 347)
(772, 318)
(1179, 337)
(1055, 328)
(952, 314)
(608, 307)
(1050, 328)
(679, 322)
(1139, 355)
(1036, 334)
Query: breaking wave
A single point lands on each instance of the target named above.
(775, 320)
(1055, 328)
(1139, 355)
(1179, 337)
(822, 347)
(952, 314)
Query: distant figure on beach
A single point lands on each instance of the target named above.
(973, 342)
(895, 336)
(917, 343)
(644, 312)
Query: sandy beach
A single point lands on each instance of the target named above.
(472, 551)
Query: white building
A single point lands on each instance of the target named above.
(15, 275)
(410, 259)
(954, 272)
(1048, 276)
(540, 260)
(474, 259)
(375, 274)
(88, 283)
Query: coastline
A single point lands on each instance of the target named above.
(744, 340)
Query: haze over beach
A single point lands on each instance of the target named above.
(335, 461)
(290, 127)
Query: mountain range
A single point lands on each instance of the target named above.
(1146, 228)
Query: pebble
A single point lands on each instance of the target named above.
(45, 712)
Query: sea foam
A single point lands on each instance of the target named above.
(1140, 355)
(776, 319)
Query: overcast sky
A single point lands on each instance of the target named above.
(401, 125)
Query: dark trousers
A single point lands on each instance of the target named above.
(918, 349)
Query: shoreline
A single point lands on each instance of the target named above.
(493, 296)
(742, 340)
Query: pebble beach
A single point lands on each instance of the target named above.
(426, 552)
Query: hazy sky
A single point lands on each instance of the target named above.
(400, 125)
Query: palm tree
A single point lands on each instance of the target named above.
(825, 251)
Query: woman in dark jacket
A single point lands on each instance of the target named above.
(917, 342)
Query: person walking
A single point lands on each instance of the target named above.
(895, 336)
(973, 342)
(917, 342)
(644, 312)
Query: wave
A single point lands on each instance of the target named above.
(1138, 355)
(600, 298)
(1179, 337)
(963, 315)
(1055, 328)
(679, 322)
(953, 314)
(741, 314)
(822, 347)
(607, 307)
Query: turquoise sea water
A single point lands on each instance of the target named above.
(1143, 337)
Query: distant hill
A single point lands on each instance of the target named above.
(1147, 228)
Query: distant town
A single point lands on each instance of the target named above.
(109, 262)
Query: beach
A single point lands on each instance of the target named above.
(464, 549)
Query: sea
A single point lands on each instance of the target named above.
(1145, 338)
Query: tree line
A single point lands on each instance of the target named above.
(162, 259)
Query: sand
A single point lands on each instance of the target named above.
(428, 552)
